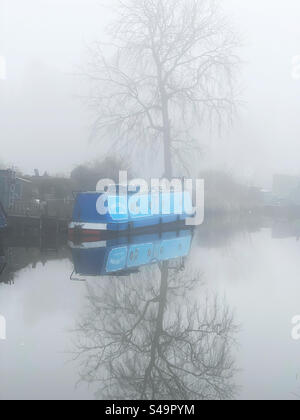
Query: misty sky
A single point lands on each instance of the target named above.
(43, 125)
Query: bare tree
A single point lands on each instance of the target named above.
(144, 338)
(172, 69)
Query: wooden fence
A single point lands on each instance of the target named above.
(60, 209)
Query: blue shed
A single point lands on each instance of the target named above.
(12, 188)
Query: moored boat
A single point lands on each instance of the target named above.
(95, 212)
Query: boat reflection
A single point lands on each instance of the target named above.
(124, 255)
(149, 330)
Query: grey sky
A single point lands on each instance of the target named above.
(43, 125)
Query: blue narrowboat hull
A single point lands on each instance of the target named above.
(87, 219)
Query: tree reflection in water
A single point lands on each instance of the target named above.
(147, 337)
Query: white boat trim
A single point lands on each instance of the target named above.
(88, 245)
(88, 226)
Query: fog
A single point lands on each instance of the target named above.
(44, 125)
(148, 306)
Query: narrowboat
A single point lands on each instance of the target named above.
(125, 254)
(3, 218)
(96, 212)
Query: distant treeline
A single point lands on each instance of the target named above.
(223, 193)
(85, 177)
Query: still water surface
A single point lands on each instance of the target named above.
(214, 324)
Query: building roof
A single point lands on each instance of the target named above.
(24, 180)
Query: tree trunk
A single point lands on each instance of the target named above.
(167, 138)
(165, 122)
(159, 326)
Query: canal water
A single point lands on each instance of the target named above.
(213, 322)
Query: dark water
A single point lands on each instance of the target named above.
(214, 324)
